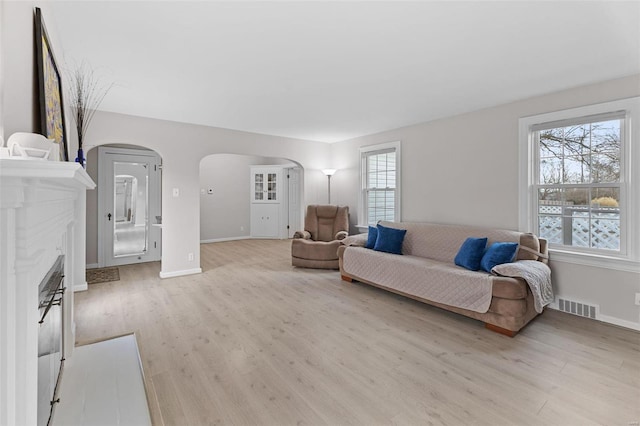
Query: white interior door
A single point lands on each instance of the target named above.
(128, 206)
(293, 201)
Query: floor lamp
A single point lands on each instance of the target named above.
(328, 173)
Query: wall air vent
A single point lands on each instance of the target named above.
(579, 308)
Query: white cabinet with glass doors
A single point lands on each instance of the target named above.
(266, 201)
(265, 184)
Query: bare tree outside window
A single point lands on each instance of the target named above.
(579, 184)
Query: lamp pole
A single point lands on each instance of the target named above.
(328, 173)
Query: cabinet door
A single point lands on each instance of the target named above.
(272, 186)
(258, 186)
(265, 185)
(265, 221)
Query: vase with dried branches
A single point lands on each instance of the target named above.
(86, 93)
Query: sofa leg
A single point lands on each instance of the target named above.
(500, 330)
(347, 279)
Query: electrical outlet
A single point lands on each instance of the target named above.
(638, 299)
(190, 256)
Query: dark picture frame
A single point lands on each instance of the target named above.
(52, 123)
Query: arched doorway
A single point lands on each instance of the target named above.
(225, 196)
(127, 207)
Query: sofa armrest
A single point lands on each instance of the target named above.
(341, 235)
(341, 250)
(358, 240)
(306, 235)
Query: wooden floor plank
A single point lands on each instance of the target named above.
(253, 340)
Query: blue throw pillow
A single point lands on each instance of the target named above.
(389, 240)
(470, 253)
(497, 254)
(372, 236)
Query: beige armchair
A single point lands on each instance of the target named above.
(317, 245)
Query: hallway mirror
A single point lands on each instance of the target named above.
(129, 206)
(131, 198)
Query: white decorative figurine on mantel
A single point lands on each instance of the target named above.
(32, 146)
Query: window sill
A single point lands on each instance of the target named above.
(594, 260)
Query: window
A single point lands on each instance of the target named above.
(576, 175)
(380, 183)
(578, 182)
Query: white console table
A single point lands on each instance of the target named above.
(42, 215)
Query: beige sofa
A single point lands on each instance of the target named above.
(426, 272)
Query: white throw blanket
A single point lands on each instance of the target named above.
(536, 274)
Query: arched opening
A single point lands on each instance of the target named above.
(227, 196)
(124, 212)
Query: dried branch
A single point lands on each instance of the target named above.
(86, 94)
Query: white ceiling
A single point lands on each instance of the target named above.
(331, 71)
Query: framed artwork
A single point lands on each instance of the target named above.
(50, 90)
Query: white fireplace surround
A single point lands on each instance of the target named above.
(42, 215)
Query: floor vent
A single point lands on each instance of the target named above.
(577, 308)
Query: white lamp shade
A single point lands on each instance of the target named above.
(329, 172)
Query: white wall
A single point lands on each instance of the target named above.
(226, 214)
(92, 210)
(464, 170)
(3, 27)
(19, 84)
(182, 146)
(19, 102)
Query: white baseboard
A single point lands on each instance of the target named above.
(173, 274)
(80, 287)
(606, 319)
(218, 240)
(620, 322)
(92, 265)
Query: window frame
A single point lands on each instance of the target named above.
(365, 152)
(628, 258)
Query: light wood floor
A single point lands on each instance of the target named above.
(253, 340)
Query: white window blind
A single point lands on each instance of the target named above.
(380, 171)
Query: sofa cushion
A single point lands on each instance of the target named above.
(470, 253)
(497, 254)
(372, 236)
(425, 278)
(442, 242)
(389, 240)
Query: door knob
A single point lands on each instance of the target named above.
(109, 216)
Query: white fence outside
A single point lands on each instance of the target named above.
(580, 226)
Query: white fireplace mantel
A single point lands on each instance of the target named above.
(42, 215)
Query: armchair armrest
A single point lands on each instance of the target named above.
(341, 235)
(306, 235)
